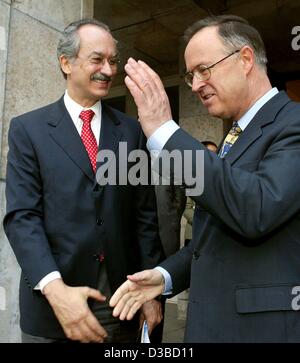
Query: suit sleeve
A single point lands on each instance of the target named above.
(23, 222)
(252, 204)
(151, 252)
(179, 267)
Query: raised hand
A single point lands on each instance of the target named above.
(149, 95)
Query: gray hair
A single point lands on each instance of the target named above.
(69, 42)
(235, 32)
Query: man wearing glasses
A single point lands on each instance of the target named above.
(243, 260)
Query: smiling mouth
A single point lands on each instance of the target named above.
(100, 81)
(101, 84)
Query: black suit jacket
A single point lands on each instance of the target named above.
(59, 218)
(170, 200)
(244, 258)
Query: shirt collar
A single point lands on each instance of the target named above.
(75, 109)
(248, 116)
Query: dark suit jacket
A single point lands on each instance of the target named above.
(58, 218)
(244, 258)
(170, 200)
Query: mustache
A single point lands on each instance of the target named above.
(100, 77)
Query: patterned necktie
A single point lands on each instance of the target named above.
(230, 139)
(88, 138)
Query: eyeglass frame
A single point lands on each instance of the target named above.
(97, 58)
(205, 68)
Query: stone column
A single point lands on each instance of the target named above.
(195, 120)
(30, 78)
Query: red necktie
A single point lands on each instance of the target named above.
(88, 138)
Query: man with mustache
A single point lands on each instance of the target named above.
(75, 240)
(242, 263)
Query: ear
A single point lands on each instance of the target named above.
(65, 65)
(248, 59)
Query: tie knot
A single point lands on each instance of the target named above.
(230, 139)
(87, 115)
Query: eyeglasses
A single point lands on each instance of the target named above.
(203, 72)
(98, 58)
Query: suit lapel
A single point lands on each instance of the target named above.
(64, 133)
(110, 134)
(253, 131)
(243, 142)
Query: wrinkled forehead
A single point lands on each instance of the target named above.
(204, 47)
(94, 38)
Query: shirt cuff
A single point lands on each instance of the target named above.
(160, 137)
(168, 280)
(47, 279)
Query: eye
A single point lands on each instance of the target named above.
(114, 61)
(97, 60)
(203, 71)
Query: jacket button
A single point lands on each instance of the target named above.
(99, 258)
(99, 222)
(196, 255)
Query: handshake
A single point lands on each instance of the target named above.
(79, 323)
(140, 288)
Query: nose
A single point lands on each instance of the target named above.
(197, 84)
(106, 68)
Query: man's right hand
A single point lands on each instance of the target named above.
(72, 311)
(139, 288)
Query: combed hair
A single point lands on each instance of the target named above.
(235, 32)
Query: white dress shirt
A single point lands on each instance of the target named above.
(74, 110)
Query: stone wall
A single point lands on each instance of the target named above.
(29, 78)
